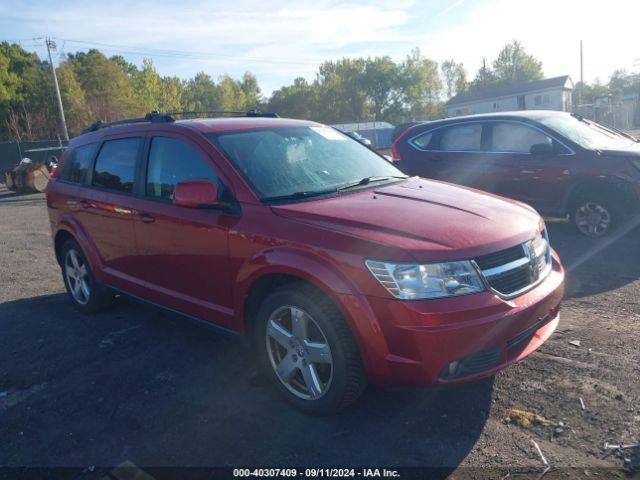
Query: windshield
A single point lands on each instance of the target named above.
(286, 161)
(586, 134)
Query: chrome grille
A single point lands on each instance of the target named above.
(513, 271)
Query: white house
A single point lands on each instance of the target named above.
(548, 94)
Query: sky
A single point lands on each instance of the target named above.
(279, 41)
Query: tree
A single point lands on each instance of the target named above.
(199, 93)
(514, 65)
(421, 86)
(251, 91)
(108, 90)
(485, 76)
(73, 99)
(297, 101)
(455, 77)
(28, 109)
(589, 92)
(147, 86)
(381, 83)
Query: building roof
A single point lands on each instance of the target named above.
(497, 91)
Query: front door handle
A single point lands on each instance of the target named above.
(146, 218)
(72, 201)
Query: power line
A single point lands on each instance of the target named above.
(189, 54)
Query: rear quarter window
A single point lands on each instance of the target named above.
(78, 163)
(423, 141)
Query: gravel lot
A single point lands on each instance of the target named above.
(151, 388)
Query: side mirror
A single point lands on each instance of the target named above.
(542, 149)
(196, 193)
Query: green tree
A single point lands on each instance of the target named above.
(28, 107)
(171, 94)
(229, 95)
(454, 76)
(296, 101)
(75, 105)
(147, 86)
(200, 93)
(421, 86)
(251, 90)
(108, 90)
(382, 85)
(514, 65)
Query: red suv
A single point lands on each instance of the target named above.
(561, 164)
(335, 267)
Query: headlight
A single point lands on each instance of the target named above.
(430, 280)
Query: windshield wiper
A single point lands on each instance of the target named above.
(298, 195)
(346, 186)
(367, 181)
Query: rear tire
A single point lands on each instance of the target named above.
(307, 350)
(86, 293)
(595, 216)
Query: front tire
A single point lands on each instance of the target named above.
(86, 294)
(308, 351)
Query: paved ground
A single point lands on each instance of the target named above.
(134, 384)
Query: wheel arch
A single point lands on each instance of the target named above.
(70, 228)
(613, 189)
(270, 270)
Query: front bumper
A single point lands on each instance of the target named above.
(456, 339)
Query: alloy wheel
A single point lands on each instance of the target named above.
(299, 352)
(77, 277)
(593, 219)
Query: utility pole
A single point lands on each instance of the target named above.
(51, 44)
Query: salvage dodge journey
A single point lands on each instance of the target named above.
(335, 267)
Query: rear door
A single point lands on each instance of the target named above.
(183, 252)
(62, 191)
(106, 207)
(539, 179)
(454, 153)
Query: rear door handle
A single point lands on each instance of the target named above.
(72, 201)
(146, 218)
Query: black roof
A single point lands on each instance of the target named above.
(507, 89)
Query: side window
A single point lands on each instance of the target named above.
(78, 163)
(172, 161)
(423, 140)
(116, 164)
(515, 137)
(460, 138)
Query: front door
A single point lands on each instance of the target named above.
(183, 252)
(537, 177)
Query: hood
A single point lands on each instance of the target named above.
(431, 220)
(633, 150)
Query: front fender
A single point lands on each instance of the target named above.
(325, 276)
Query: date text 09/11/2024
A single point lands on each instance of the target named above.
(316, 472)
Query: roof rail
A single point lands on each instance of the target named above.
(153, 117)
(230, 113)
(157, 117)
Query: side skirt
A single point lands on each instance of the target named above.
(218, 329)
